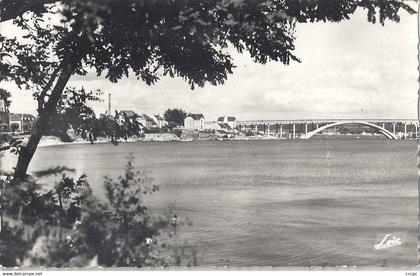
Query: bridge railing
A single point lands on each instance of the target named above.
(295, 128)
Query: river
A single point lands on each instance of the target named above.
(318, 202)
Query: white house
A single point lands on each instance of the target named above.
(210, 125)
(230, 120)
(146, 121)
(160, 122)
(223, 130)
(131, 115)
(194, 121)
(24, 121)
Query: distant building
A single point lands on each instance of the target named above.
(224, 130)
(103, 116)
(4, 116)
(223, 126)
(194, 121)
(210, 125)
(160, 122)
(24, 121)
(146, 121)
(222, 133)
(230, 120)
(131, 115)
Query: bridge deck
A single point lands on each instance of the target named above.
(325, 121)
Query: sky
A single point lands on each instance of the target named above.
(352, 69)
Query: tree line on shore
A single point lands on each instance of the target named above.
(74, 113)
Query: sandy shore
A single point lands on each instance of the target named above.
(48, 141)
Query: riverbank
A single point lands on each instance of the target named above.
(48, 141)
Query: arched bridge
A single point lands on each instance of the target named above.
(306, 128)
(385, 132)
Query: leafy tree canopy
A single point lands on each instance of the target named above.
(14, 127)
(175, 115)
(5, 96)
(151, 39)
(182, 38)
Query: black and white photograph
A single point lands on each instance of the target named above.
(209, 135)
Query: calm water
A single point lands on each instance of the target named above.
(298, 203)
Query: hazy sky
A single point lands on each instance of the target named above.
(351, 69)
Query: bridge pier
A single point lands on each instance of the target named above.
(281, 131)
(393, 128)
(294, 131)
(306, 128)
(268, 129)
(405, 130)
(256, 128)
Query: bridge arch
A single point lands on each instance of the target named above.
(385, 132)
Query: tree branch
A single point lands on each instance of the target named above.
(26, 153)
(47, 87)
(10, 9)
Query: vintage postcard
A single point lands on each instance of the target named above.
(209, 134)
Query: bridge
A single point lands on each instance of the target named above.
(305, 129)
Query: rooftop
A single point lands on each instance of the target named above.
(157, 116)
(18, 117)
(224, 126)
(229, 119)
(196, 116)
(129, 113)
(146, 117)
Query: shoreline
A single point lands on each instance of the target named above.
(49, 141)
(54, 141)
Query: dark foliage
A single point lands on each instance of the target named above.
(175, 116)
(5, 96)
(73, 112)
(68, 226)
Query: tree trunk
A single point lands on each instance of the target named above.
(27, 152)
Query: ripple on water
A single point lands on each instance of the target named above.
(311, 203)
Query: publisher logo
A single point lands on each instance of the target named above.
(388, 241)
